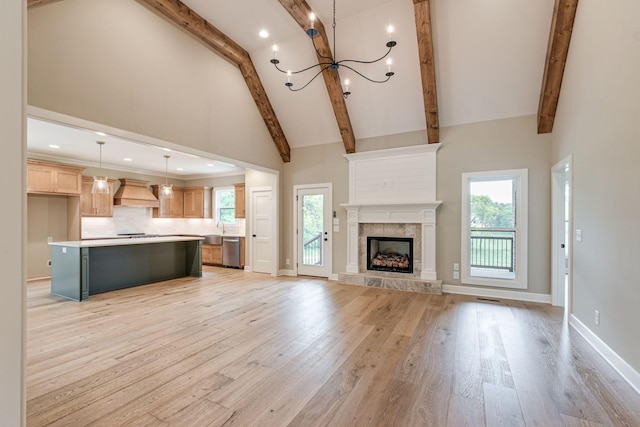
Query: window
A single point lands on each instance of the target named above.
(226, 204)
(494, 228)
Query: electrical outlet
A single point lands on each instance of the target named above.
(49, 239)
(597, 319)
(49, 263)
(287, 261)
(456, 275)
(456, 266)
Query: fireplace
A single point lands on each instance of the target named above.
(393, 254)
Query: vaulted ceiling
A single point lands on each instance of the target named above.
(456, 62)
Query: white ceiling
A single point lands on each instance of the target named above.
(78, 145)
(489, 58)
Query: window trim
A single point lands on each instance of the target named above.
(521, 181)
(216, 203)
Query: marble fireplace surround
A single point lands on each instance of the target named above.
(392, 194)
(417, 221)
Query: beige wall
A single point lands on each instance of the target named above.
(314, 165)
(46, 217)
(494, 145)
(487, 146)
(120, 64)
(598, 124)
(13, 223)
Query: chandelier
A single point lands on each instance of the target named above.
(329, 63)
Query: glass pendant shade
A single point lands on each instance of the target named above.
(100, 185)
(166, 189)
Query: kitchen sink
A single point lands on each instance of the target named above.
(212, 239)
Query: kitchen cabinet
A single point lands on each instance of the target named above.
(169, 208)
(240, 202)
(197, 202)
(212, 254)
(53, 178)
(98, 205)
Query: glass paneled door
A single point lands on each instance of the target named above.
(313, 231)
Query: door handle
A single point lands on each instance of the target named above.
(562, 245)
(253, 235)
(326, 240)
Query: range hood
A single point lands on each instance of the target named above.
(133, 192)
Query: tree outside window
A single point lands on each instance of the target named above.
(226, 205)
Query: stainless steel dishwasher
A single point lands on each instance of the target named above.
(231, 252)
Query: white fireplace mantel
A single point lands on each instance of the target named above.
(396, 185)
(413, 213)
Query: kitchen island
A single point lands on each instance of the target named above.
(87, 267)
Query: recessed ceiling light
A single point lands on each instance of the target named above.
(179, 169)
(263, 33)
(101, 133)
(126, 159)
(53, 146)
(210, 165)
(167, 149)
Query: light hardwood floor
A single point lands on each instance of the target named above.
(244, 349)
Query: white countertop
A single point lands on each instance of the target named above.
(125, 241)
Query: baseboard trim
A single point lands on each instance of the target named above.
(36, 279)
(496, 293)
(333, 277)
(618, 363)
(287, 273)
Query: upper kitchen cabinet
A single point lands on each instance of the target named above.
(169, 208)
(197, 202)
(240, 202)
(53, 178)
(93, 204)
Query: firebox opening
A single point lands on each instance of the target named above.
(390, 254)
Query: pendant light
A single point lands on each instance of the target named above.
(166, 189)
(100, 183)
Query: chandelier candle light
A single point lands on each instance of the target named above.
(100, 183)
(166, 189)
(328, 63)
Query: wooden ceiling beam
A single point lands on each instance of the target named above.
(564, 14)
(300, 10)
(215, 39)
(422, 11)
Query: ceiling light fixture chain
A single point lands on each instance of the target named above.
(330, 62)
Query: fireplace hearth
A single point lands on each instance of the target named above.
(394, 254)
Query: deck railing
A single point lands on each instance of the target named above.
(493, 249)
(312, 250)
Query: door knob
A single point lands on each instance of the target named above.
(253, 235)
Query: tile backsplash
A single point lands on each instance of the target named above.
(140, 220)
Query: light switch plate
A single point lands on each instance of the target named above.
(578, 235)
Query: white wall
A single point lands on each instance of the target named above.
(598, 123)
(12, 225)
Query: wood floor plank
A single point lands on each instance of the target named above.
(238, 348)
(501, 406)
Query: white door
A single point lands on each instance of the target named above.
(561, 236)
(313, 230)
(261, 226)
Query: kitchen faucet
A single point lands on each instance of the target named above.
(218, 225)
